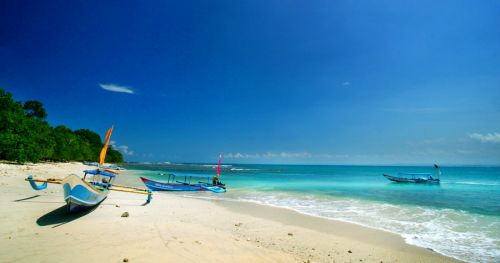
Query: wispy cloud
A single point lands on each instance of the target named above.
(489, 137)
(346, 83)
(125, 150)
(116, 88)
(268, 155)
(122, 148)
(286, 155)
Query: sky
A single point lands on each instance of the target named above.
(265, 81)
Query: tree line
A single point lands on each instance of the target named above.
(26, 136)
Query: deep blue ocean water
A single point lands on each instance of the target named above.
(459, 217)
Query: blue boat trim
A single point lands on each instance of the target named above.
(97, 171)
(34, 186)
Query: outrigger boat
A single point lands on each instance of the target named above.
(89, 191)
(174, 184)
(417, 178)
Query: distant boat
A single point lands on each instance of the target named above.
(91, 163)
(89, 191)
(417, 178)
(184, 182)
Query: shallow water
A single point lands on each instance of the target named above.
(459, 217)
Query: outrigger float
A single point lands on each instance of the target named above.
(89, 191)
(416, 178)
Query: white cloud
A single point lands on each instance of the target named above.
(489, 137)
(122, 148)
(116, 88)
(241, 156)
(125, 150)
(268, 155)
(332, 156)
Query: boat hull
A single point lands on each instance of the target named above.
(411, 180)
(160, 186)
(80, 195)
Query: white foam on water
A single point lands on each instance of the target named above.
(478, 183)
(458, 234)
(242, 169)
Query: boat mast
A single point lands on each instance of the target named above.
(218, 167)
(438, 171)
(105, 147)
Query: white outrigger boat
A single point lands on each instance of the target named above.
(89, 191)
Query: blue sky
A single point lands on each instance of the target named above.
(328, 82)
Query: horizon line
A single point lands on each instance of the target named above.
(305, 164)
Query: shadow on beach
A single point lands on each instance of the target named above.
(61, 216)
(27, 198)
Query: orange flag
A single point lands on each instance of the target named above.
(105, 148)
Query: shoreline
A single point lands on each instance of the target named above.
(290, 216)
(176, 228)
(334, 220)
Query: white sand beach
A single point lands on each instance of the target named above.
(35, 227)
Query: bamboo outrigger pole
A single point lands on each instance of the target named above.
(49, 180)
(131, 187)
(145, 192)
(114, 187)
(44, 181)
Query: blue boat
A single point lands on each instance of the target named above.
(89, 191)
(184, 182)
(417, 178)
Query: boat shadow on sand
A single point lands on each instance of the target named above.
(57, 217)
(60, 216)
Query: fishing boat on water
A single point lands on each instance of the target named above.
(184, 182)
(417, 178)
(93, 188)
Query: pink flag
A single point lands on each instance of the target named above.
(218, 166)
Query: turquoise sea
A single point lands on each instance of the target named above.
(459, 218)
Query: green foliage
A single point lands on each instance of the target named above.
(25, 136)
(34, 108)
(114, 156)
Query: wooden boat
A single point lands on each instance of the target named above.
(417, 178)
(183, 182)
(89, 191)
